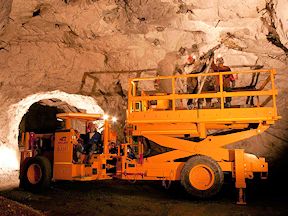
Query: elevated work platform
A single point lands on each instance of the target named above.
(164, 110)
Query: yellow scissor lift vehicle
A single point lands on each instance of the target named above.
(192, 156)
(165, 140)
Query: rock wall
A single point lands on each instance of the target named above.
(48, 45)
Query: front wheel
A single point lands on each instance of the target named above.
(36, 175)
(202, 176)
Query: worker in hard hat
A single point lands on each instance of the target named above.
(93, 141)
(190, 67)
(227, 79)
(209, 86)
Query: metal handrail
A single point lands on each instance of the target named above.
(272, 92)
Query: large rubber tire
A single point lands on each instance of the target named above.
(36, 175)
(202, 176)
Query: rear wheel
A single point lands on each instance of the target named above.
(36, 175)
(202, 176)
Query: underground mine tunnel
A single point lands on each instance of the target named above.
(188, 82)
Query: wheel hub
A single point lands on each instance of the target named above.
(201, 177)
(34, 173)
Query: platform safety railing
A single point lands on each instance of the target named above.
(140, 100)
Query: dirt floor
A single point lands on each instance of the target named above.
(145, 198)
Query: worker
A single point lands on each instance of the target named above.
(180, 87)
(227, 79)
(192, 82)
(209, 86)
(93, 142)
(78, 149)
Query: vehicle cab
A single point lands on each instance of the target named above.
(39, 166)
